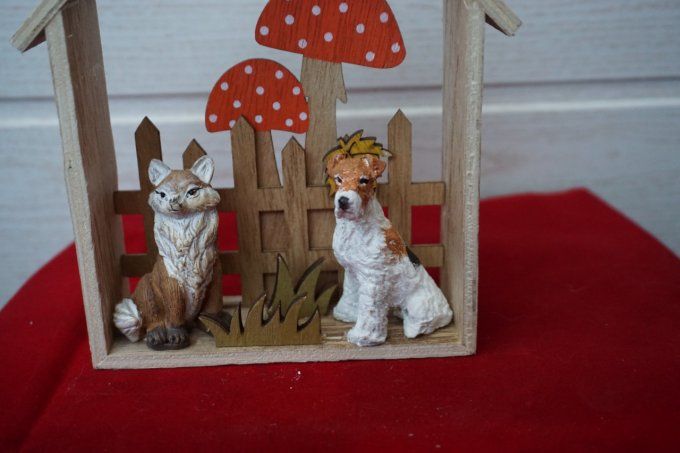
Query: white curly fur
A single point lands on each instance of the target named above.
(376, 280)
(187, 245)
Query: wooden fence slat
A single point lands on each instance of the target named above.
(429, 255)
(398, 202)
(426, 193)
(128, 202)
(265, 161)
(318, 198)
(275, 232)
(269, 200)
(148, 143)
(247, 218)
(231, 264)
(136, 265)
(295, 211)
(191, 154)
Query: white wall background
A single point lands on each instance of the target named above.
(587, 94)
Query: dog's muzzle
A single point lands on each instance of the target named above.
(343, 203)
(348, 205)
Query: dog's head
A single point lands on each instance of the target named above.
(355, 180)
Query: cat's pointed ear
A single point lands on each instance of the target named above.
(158, 171)
(204, 168)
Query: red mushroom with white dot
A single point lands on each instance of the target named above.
(328, 33)
(270, 97)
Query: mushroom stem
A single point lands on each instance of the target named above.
(323, 84)
(265, 161)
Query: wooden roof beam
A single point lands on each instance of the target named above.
(32, 31)
(500, 16)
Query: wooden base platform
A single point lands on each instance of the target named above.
(202, 352)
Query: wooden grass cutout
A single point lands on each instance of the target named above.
(291, 317)
(286, 292)
(279, 330)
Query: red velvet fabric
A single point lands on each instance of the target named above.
(578, 350)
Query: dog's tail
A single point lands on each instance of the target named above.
(127, 319)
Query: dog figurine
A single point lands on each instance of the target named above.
(380, 271)
(170, 297)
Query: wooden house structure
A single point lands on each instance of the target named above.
(71, 30)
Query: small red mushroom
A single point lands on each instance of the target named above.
(328, 33)
(270, 97)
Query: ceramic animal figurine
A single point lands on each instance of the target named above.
(381, 273)
(170, 297)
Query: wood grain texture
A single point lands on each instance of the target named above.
(90, 163)
(500, 16)
(267, 173)
(245, 192)
(463, 63)
(275, 232)
(148, 144)
(324, 85)
(295, 211)
(400, 176)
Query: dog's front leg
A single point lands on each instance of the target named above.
(348, 305)
(371, 326)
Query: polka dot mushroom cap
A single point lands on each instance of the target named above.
(263, 91)
(362, 32)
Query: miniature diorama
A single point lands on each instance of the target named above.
(329, 218)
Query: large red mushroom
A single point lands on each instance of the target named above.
(270, 97)
(328, 33)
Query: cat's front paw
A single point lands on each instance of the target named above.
(156, 338)
(178, 337)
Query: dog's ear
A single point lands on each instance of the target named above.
(332, 162)
(376, 165)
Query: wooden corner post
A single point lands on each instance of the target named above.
(89, 162)
(463, 65)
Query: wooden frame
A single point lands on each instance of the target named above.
(72, 32)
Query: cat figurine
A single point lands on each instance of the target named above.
(169, 298)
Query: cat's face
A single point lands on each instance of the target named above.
(182, 192)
